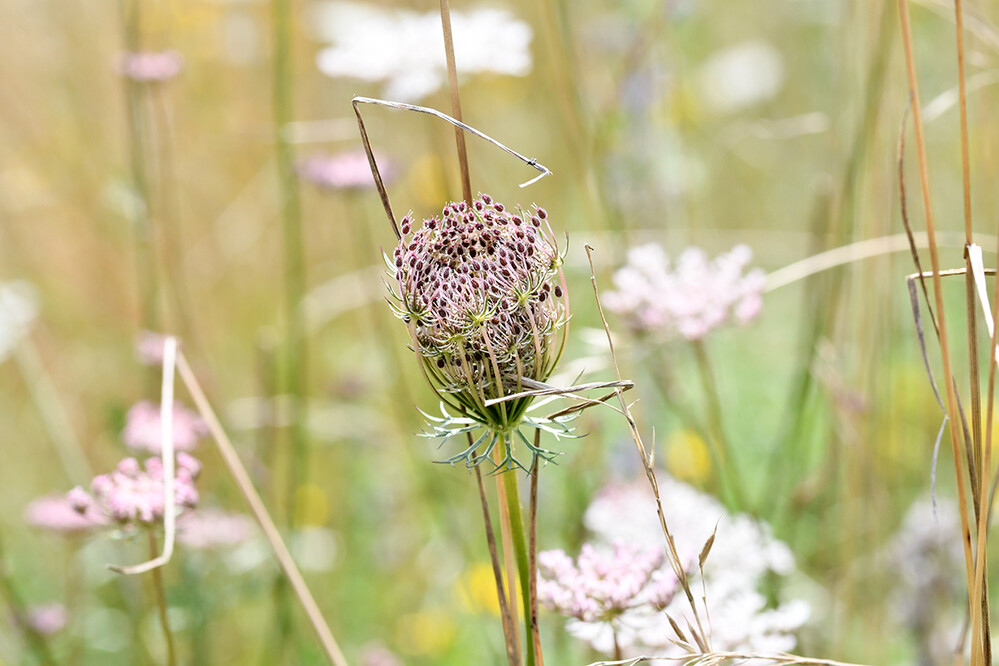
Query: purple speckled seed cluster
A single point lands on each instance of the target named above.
(482, 289)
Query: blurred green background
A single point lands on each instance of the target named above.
(793, 151)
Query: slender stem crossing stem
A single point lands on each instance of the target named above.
(161, 605)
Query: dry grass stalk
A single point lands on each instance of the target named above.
(245, 485)
(977, 652)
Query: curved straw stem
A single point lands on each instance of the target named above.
(242, 480)
(380, 185)
(166, 439)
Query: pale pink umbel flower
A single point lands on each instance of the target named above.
(348, 170)
(149, 347)
(149, 66)
(132, 495)
(48, 619)
(744, 560)
(208, 529)
(55, 513)
(143, 428)
(689, 299)
(604, 583)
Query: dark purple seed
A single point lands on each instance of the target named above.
(542, 213)
(558, 291)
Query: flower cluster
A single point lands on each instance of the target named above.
(342, 171)
(48, 619)
(482, 291)
(143, 428)
(691, 299)
(150, 66)
(55, 513)
(149, 347)
(606, 586)
(405, 49)
(615, 595)
(131, 495)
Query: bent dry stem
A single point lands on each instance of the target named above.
(242, 479)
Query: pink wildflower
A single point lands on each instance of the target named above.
(130, 494)
(343, 171)
(690, 299)
(57, 513)
(48, 619)
(206, 529)
(149, 348)
(150, 66)
(143, 428)
(603, 584)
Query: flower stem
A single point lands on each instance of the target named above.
(16, 606)
(720, 450)
(138, 138)
(452, 77)
(532, 542)
(294, 259)
(520, 546)
(161, 605)
(509, 630)
(506, 534)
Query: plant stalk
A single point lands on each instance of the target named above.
(924, 180)
(720, 450)
(520, 546)
(161, 605)
(509, 629)
(532, 541)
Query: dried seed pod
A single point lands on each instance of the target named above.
(482, 327)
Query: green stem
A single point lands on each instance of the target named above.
(294, 252)
(721, 452)
(16, 607)
(520, 547)
(137, 136)
(161, 605)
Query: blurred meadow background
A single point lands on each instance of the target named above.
(216, 191)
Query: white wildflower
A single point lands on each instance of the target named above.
(742, 75)
(405, 49)
(743, 553)
(18, 308)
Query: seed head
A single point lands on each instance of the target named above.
(475, 286)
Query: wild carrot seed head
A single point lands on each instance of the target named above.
(483, 294)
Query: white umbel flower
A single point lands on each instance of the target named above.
(743, 554)
(405, 49)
